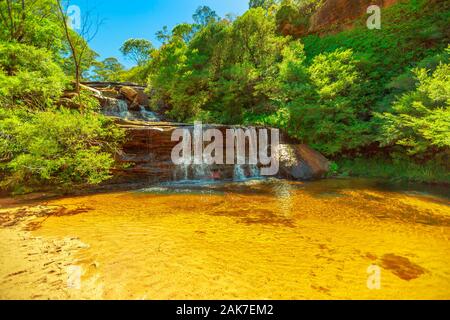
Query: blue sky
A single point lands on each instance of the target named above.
(124, 19)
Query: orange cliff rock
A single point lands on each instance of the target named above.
(333, 16)
(342, 12)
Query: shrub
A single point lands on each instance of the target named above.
(55, 147)
(420, 119)
(321, 100)
(28, 76)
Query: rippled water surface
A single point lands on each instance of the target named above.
(262, 239)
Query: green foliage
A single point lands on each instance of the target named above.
(107, 70)
(401, 170)
(346, 93)
(420, 119)
(265, 4)
(225, 71)
(137, 50)
(137, 74)
(334, 169)
(292, 16)
(28, 76)
(404, 40)
(33, 23)
(320, 99)
(40, 144)
(55, 147)
(205, 15)
(323, 91)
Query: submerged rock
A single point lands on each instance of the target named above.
(300, 162)
(402, 267)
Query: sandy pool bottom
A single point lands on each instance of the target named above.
(259, 240)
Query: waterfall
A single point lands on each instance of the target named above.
(239, 172)
(182, 172)
(254, 171)
(201, 171)
(119, 108)
(188, 170)
(195, 172)
(116, 108)
(148, 115)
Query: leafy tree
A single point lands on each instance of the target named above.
(205, 15)
(33, 23)
(224, 71)
(184, 30)
(250, 56)
(55, 147)
(137, 74)
(109, 69)
(420, 119)
(82, 57)
(321, 100)
(29, 76)
(137, 50)
(163, 35)
(265, 4)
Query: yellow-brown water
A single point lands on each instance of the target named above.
(254, 240)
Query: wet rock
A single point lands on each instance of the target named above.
(135, 97)
(300, 162)
(141, 98)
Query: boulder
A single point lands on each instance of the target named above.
(300, 162)
(110, 93)
(141, 98)
(135, 97)
(129, 93)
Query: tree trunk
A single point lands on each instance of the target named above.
(77, 78)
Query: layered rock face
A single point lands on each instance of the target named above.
(148, 149)
(146, 155)
(342, 12)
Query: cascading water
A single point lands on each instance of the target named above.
(116, 108)
(182, 172)
(148, 115)
(205, 172)
(239, 173)
(254, 171)
(119, 108)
